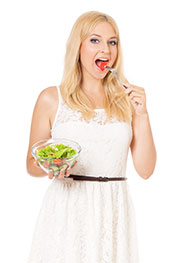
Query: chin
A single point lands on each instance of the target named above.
(100, 76)
(96, 74)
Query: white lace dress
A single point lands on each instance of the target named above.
(87, 221)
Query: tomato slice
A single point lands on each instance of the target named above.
(57, 161)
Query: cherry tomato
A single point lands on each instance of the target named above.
(103, 64)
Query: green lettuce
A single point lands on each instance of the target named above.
(56, 151)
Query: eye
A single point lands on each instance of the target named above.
(113, 43)
(94, 40)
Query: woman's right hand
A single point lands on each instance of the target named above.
(63, 173)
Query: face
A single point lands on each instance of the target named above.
(99, 46)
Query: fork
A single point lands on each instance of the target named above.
(113, 70)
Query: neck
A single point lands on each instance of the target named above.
(91, 85)
(94, 90)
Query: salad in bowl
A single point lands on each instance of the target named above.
(53, 155)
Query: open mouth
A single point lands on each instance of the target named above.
(101, 63)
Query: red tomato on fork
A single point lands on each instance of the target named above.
(102, 65)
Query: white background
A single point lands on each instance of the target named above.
(33, 37)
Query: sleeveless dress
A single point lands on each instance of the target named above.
(88, 221)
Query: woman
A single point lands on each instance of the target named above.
(85, 220)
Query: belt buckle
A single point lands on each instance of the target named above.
(103, 179)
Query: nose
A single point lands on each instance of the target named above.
(105, 47)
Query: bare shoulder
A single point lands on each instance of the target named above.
(49, 96)
(47, 103)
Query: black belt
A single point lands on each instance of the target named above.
(100, 179)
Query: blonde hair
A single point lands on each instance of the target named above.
(117, 102)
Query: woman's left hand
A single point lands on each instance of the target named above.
(138, 98)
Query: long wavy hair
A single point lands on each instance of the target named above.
(116, 101)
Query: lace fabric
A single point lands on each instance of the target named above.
(66, 114)
(85, 221)
(105, 144)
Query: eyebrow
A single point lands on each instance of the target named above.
(101, 36)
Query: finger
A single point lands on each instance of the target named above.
(134, 103)
(36, 164)
(135, 98)
(138, 97)
(138, 100)
(126, 85)
(67, 172)
(74, 164)
(51, 174)
(135, 94)
(129, 87)
(61, 174)
(130, 91)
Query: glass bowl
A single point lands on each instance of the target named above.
(54, 164)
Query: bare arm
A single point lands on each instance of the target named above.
(41, 125)
(142, 146)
